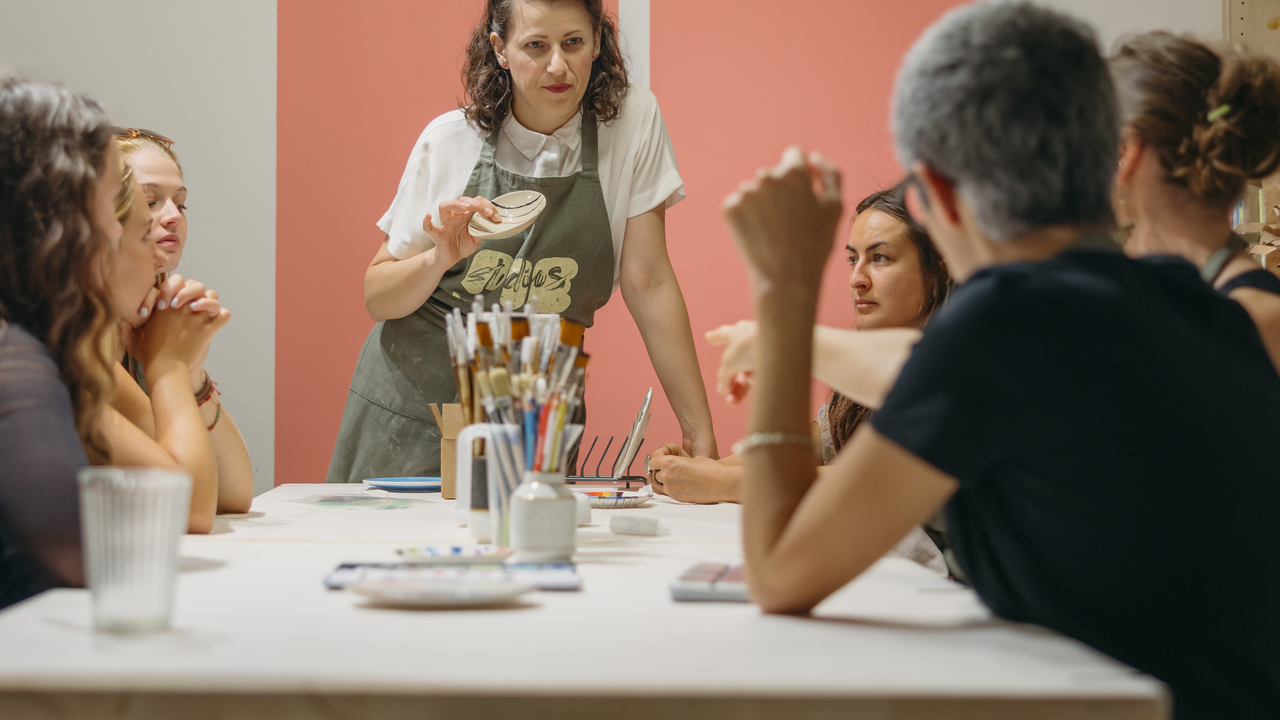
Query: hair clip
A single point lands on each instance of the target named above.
(1219, 111)
(132, 133)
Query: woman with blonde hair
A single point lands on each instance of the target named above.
(168, 329)
(159, 173)
(162, 198)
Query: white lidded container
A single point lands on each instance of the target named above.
(544, 519)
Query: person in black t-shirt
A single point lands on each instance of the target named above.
(1077, 411)
(1199, 123)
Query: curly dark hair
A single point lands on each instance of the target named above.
(844, 415)
(53, 259)
(488, 84)
(1212, 117)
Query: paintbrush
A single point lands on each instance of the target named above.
(500, 380)
(548, 331)
(498, 329)
(570, 338)
(484, 346)
(502, 446)
(456, 336)
(519, 333)
(572, 434)
(496, 386)
(556, 429)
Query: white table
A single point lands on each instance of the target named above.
(257, 635)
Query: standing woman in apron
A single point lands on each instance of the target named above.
(551, 111)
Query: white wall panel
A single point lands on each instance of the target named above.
(633, 22)
(203, 73)
(1113, 18)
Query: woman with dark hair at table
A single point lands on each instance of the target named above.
(1199, 124)
(897, 279)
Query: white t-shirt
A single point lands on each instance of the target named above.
(637, 168)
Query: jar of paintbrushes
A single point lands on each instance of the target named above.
(524, 375)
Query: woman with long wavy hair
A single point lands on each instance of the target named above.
(59, 177)
(897, 279)
(70, 273)
(549, 109)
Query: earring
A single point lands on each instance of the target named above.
(1125, 225)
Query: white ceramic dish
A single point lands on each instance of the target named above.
(440, 593)
(405, 484)
(517, 212)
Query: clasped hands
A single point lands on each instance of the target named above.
(175, 324)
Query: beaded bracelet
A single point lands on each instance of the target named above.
(208, 390)
(216, 418)
(760, 439)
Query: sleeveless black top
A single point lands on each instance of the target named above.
(1258, 279)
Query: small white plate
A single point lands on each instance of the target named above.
(517, 211)
(405, 484)
(440, 593)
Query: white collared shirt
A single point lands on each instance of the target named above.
(637, 168)
(544, 155)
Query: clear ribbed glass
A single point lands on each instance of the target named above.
(131, 520)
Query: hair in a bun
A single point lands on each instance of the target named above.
(1213, 118)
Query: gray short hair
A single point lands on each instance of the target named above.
(1014, 104)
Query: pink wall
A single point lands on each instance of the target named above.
(355, 90)
(738, 80)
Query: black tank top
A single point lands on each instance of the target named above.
(1257, 279)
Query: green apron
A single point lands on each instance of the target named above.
(565, 259)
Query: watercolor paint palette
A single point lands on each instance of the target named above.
(543, 576)
(617, 499)
(454, 554)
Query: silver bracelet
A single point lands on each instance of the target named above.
(760, 439)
